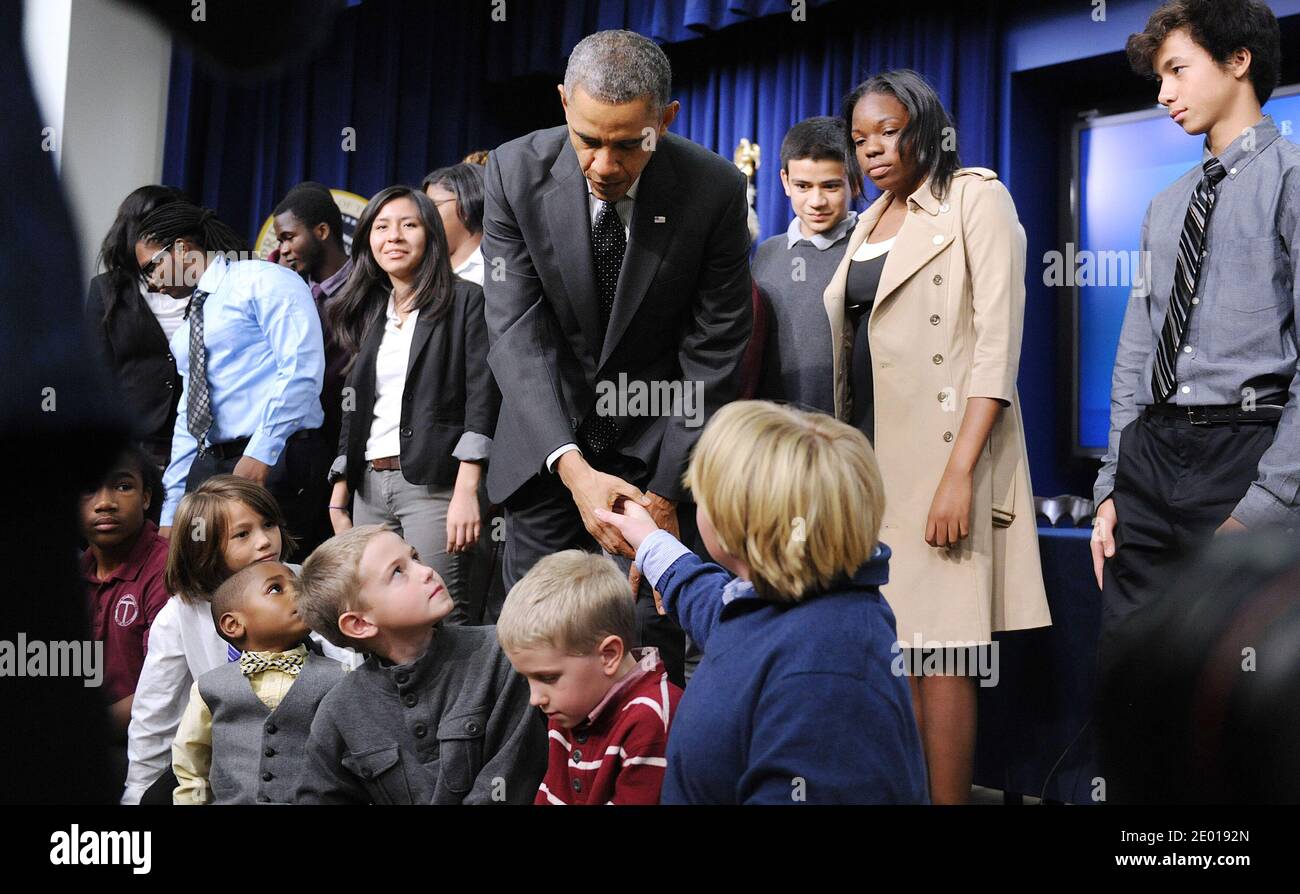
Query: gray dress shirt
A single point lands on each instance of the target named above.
(1240, 343)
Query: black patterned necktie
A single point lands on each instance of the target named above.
(1191, 247)
(198, 406)
(608, 245)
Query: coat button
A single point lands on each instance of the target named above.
(577, 756)
(270, 752)
(402, 677)
(934, 319)
(267, 777)
(271, 728)
(947, 436)
(410, 700)
(937, 240)
(171, 386)
(581, 737)
(171, 359)
(420, 731)
(472, 727)
(938, 279)
(943, 395)
(577, 785)
(937, 358)
(406, 432)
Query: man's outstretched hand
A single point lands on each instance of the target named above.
(593, 490)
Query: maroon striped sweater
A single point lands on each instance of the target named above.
(617, 755)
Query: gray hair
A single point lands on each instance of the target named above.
(618, 67)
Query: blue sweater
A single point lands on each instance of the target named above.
(791, 703)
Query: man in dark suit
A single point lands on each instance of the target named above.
(616, 265)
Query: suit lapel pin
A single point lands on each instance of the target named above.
(659, 218)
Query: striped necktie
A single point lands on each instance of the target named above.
(1190, 251)
(198, 405)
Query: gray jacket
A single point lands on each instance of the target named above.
(452, 727)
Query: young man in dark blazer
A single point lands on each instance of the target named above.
(616, 264)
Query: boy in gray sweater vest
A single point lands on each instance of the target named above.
(436, 714)
(793, 269)
(242, 736)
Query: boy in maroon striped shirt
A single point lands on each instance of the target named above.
(566, 627)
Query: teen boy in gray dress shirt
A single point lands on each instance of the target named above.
(1205, 422)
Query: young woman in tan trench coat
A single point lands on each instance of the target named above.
(944, 335)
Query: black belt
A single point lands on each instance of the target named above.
(1267, 411)
(235, 448)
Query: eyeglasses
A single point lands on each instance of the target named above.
(147, 270)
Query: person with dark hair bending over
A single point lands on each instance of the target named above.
(130, 327)
(926, 313)
(457, 192)
(252, 358)
(309, 230)
(412, 448)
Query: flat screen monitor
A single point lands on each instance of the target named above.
(1120, 163)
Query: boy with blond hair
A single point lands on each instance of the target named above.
(796, 699)
(435, 715)
(566, 627)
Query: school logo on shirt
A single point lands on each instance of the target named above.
(350, 205)
(126, 610)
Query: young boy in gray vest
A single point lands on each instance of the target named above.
(436, 714)
(242, 736)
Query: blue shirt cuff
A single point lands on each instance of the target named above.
(656, 555)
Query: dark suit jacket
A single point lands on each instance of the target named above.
(681, 313)
(133, 346)
(449, 391)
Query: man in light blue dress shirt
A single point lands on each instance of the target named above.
(265, 360)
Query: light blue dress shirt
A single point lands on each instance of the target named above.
(266, 361)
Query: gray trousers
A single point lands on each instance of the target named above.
(419, 513)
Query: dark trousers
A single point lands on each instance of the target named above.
(1174, 485)
(299, 482)
(541, 519)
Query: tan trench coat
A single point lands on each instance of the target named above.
(946, 325)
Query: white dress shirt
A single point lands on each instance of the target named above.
(390, 382)
(624, 209)
(168, 311)
(472, 268)
(183, 645)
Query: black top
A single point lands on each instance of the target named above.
(449, 391)
(134, 348)
(859, 297)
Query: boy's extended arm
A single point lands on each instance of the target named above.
(691, 588)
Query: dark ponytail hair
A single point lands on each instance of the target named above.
(928, 125)
(363, 299)
(117, 252)
(184, 220)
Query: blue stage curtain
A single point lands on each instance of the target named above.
(423, 83)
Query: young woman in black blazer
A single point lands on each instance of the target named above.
(128, 333)
(419, 403)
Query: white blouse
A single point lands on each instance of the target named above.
(390, 381)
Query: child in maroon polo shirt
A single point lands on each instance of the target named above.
(565, 627)
(123, 566)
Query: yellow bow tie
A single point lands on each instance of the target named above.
(255, 662)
